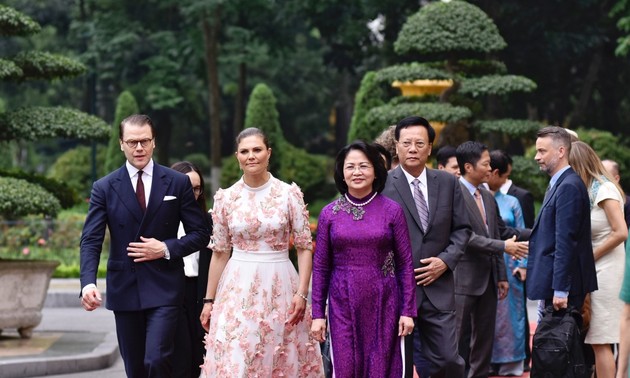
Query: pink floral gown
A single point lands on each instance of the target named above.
(248, 336)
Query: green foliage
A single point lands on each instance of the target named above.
(511, 127)
(67, 196)
(126, 105)
(527, 174)
(14, 23)
(496, 85)
(474, 67)
(383, 116)
(410, 72)
(47, 122)
(449, 27)
(309, 171)
(73, 168)
(20, 197)
(262, 113)
(230, 171)
(200, 160)
(8, 69)
(369, 95)
(43, 65)
(609, 146)
(622, 8)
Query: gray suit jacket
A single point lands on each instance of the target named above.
(445, 237)
(484, 254)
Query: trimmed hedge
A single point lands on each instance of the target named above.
(20, 197)
(66, 195)
(496, 85)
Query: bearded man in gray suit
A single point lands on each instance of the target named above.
(439, 230)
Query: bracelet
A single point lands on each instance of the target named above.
(208, 300)
(301, 296)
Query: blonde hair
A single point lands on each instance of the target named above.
(588, 165)
(387, 140)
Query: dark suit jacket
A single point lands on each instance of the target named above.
(484, 254)
(136, 286)
(447, 233)
(560, 249)
(526, 199)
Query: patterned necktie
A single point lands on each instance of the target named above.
(140, 192)
(421, 204)
(482, 211)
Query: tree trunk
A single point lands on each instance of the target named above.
(576, 118)
(211, 29)
(239, 101)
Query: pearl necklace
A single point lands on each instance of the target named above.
(360, 204)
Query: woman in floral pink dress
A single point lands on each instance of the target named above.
(255, 308)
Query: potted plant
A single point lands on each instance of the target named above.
(23, 283)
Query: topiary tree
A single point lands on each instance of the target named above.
(453, 42)
(36, 123)
(73, 168)
(126, 105)
(370, 95)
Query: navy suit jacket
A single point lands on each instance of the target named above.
(135, 286)
(560, 249)
(446, 235)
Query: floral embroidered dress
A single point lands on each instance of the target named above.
(248, 336)
(363, 267)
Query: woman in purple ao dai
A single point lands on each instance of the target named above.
(363, 268)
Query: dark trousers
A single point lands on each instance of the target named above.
(146, 339)
(476, 316)
(433, 344)
(189, 346)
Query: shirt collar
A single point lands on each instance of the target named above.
(148, 169)
(422, 177)
(471, 188)
(556, 176)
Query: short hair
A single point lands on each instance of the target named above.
(185, 167)
(383, 151)
(251, 131)
(558, 135)
(500, 160)
(414, 121)
(469, 152)
(137, 120)
(388, 140)
(380, 173)
(444, 154)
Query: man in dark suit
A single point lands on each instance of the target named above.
(141, 204)
(480, 277)
(613, 168)
(439, 231)
(525, 198)
(560, 267)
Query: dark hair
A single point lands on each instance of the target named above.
(444, 154)
(185, 167)
(500, 160)
(558, 135)
(414, 121)
(469, 152)
(373, 155)
(137, 120)
(383, 151)
(251, 131)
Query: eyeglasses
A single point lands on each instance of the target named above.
(197, 190)
(419, 145)
(362, 167)
(134, 143)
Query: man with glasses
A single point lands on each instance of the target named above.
(439, 230)
(141, 204)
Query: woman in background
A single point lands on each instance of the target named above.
(363, 268)
(608, 232)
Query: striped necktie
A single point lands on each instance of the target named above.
(421, 204)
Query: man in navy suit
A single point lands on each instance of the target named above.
(141, 204)
(439, 231)
(560, 268)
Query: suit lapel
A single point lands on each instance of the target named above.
(488, 205)
(433, 192)
(159, 187)
(121, 184)
(473, 209)
(551, 193)
(402, 187)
